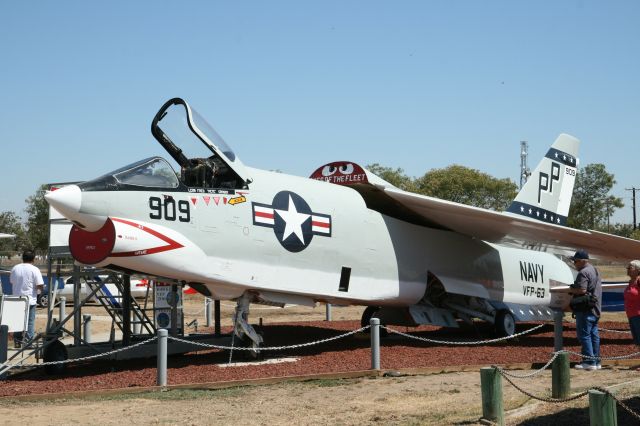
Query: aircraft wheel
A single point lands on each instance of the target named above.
(505, 324)
(55, 351)
(43, 300)
(368, 313)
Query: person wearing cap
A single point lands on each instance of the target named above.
(587, 281)
(632, 300)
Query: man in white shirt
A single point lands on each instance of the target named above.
(25, 280)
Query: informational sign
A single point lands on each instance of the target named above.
(165, 299)
(13, 312)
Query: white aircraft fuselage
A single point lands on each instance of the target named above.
(229, 248)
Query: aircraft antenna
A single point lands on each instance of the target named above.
(524, 168)
(634, 189)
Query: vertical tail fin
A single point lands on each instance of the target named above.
(547, 194)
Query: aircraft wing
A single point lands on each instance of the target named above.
(528, 223)
(506, 228)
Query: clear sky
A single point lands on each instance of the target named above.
(292, 85)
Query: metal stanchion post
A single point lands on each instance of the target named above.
(162, 357)
(491, 388)
(216, 311)
(375, 343)
(4, 346)
(328, 315)
(558, 316)
(136, 325)
(86, 332)
(61, 307)
(207, 311)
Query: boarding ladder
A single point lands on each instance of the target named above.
(114, 305)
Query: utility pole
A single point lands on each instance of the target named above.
(524, 169)
(634, 205)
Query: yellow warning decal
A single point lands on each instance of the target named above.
(237, 200)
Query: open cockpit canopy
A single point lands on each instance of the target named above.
(205, 160)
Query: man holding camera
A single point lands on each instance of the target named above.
(587, 288)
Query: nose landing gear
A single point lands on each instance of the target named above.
(243, 330)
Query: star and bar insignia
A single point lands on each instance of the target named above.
(292, 220)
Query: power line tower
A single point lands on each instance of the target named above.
(524, 168)
(633, 189)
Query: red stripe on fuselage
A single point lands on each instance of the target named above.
(266, 215)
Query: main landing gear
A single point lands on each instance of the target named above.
(505, 323)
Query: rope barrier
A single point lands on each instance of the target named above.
(449, 342)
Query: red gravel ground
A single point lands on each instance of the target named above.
(347, 354)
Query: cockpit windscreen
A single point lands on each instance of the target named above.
(152, 172)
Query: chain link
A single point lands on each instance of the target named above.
(270, 348)
(535, 373)
(622, 404)
(506, 375)
(66, 361)
(596, 358)
(608, 330)
(530, 395)
(126, 348)
(477, 342)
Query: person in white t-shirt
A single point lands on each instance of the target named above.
(25, 280)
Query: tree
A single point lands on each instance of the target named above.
(592, 205)
(468, 186)
(394, 177)
(10, 224)
(38, 220)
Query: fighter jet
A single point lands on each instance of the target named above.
(343, 236)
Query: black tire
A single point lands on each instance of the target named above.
(43, 300)
(55, 351)
(369, 313)
(505, 324)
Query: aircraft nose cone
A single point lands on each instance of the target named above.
(65, 200)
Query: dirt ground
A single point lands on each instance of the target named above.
(453, 398)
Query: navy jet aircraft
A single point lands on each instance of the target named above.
(343, 236)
